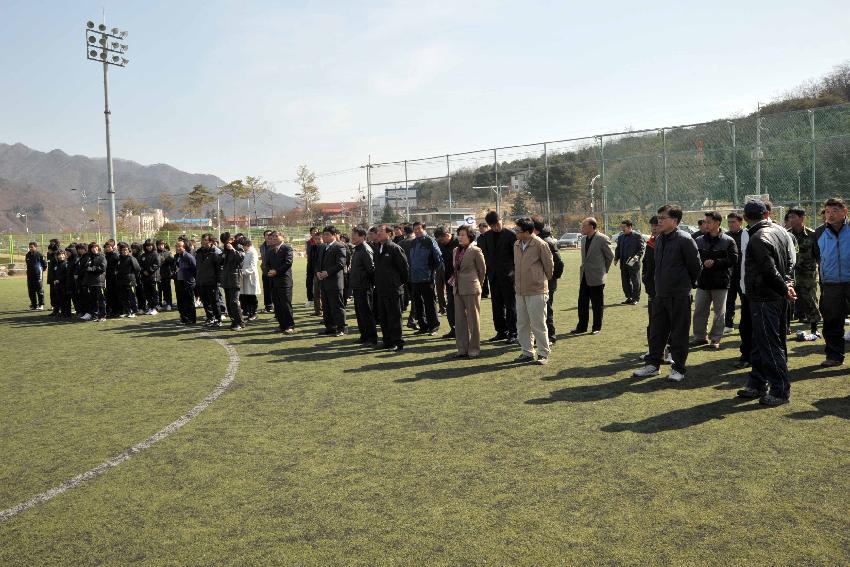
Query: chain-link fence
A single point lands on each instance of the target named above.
(798, 158)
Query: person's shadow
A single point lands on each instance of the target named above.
(838, 407)
(686, 417)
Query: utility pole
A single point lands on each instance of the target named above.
(546, 166)
(449, 177)
(498, 187)
(758, 150)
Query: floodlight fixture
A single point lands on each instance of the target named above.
(115, 31)
(115, 58)
(102, 27)
(124, 47)
(92, 39)
(90, 24)
(124, 62)
(93, 53)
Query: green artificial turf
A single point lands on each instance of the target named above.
(327, 453)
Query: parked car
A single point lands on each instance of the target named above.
(569, 240)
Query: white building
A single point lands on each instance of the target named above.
(145, 223)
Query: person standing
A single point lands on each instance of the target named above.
(331, 274)
(768, 286)
(95, 282)
(251, 285)
(534, 268)
(150, 263)
(166, 274)
(35, 269)
(127, 279)
(310, 254)
(544, 233)
(391, 273)
(805, 269)
(735, 223)
(469, 272)
(361, 279)
(268, 304)
(832, 251)
(447, 244)
(208, 263)
(630, 247)
(316, 251)
(405, 241)
(482, 229)
(596, 258)
(60, 281)
(648, 277)
(113, 301)
(52, 248)
(184, 283)
(718, 255)
(677, 269)
(497, 244)
(425, 261)
(279, 257)
(230, 278)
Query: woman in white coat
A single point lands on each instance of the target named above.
(251, 283)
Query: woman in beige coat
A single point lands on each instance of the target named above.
(468, 277)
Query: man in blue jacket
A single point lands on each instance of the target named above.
(832, 251)
(630, 247)
(425, 260)
(35, 268)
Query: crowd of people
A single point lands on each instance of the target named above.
(693, 282)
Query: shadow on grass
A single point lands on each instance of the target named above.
(838, 407)
(456, 371)
(686, 417)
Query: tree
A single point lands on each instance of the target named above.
(389, 215)
(309, 193)
(256, 186)
(521, 202)
(197, 199)
(236, 190)
(131, 206)
(166, 202)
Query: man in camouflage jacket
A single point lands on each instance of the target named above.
(806, 268)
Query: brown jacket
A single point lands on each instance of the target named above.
(533, 267)
(470, 276)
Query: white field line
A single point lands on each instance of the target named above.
(229, 375)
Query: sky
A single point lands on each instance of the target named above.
(258, 88)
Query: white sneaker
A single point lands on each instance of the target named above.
(676, 376)
(308, 304)
(668, 358)
(648, 370)
(168, 308)
(131, 316)
(847, 336)
(198, 304)
(152, 312)
(40, 308)
(86, 317)
(644, 356)
(140, 312)
(728, 330)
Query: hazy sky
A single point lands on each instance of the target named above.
(257, 88)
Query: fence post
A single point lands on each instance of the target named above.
(664, 162)
(604, 186)
(546, 165)
(406, 194)
(814, 159)
(734, 166)
(449, 177)
(498, 187)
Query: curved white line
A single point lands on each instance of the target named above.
(229, 375)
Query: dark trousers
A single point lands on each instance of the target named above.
(364, 309)
(249, 304)
(185, 301)
(282, 302)
(745, 329)
(333, 309)
(113, 300)
(485, 289)
(834, 301)
(630, 278)
(36, 291)
(127, 296)
(231, 299)
(550, 313)
(731, 297)
(425, 300)
(151, 294)
(450, 305)
(503, 301)
(141, 300)
(649, 301)
(55, 302)
(268, 302)
(209, 298)
(97, 302)
(590, 295)
(309, 284)
(164, 292)
(63, 296)
(389, 308)
(769, 356)
(671, 324)
(83, 300)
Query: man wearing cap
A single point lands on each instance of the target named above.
(769, 286)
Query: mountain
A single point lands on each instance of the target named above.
(40, 184)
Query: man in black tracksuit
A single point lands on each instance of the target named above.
(230, 278)
(447, 244)
(497, 244)
(52, 248)
(35, 271)
(630, 247)
(113, 301)
(361, 280)
(150, 263)
(167, 270)
(677, 268)
(391, 273)
(734, 222)
(268, 304)
(208, 266)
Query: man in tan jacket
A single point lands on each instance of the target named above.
(596, 258)
(533, 268)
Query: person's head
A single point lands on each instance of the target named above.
(384, 233)
(314, 230)
(398, 230)
(207, 240)
(81, 248)
(482, 227)
(60, 255)
(493, 221)
(275, 238)
(795, 219)
(123, 249)
(33, 246)
(148, 246)
(107, 246)
(407, 230)
(701, 226)
(734, 221)
(372, 236)
(160, 245)
(419, 229)
(539, 223)
(179, 247)
(588, 226)
(669, 217)
(442, 236)
(711, 222)
(358, 235)
(226, 238)
(755, 211)
(524, 229)
(246, 243)
(835, 211)
(94, 248)
(466, 235)
(653, 225)
(111, 242)
(329, 234)
(626, 226)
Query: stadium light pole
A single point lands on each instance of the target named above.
(106, 46)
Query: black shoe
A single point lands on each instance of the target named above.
(497, 338)
(741, 363)
(830, 362)
(511, 340)
(326, 333)
(433, 331)
(421, 332)
(459, 355)
(449, 335)
(395, 348)
(750, 393)
(215, 325)
(595, 332)
(339, 334)
(553, 340)
(626, 302)
(523, 358)
(578, 332)
(772, 401)
(236, 327)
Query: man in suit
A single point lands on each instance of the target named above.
(361, 280)
(498, 247)
(331, 274)
(278, 258)
(596, 258)
(391, 273)
(629, 249)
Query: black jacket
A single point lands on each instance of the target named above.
(447, 252)
(167, 265)
(332, 260)
(391, 269)
(208, 263)
(723, 251)
(498, 248)
(736, 269)
(150, 263)
(362, 275)
(35, 264)
(628, 245)
(60, 274)
(111, 265)
(94, 270)
(648, 268)
(281, 262)
(556, 258)
(127, 271)
(767, 265)
(230, 275)
(677, 265)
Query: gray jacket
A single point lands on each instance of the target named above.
(596, 258)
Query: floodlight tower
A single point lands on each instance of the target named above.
(106, 46)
